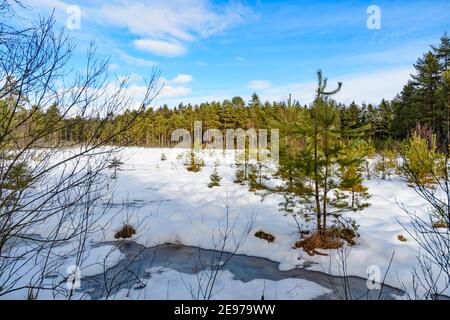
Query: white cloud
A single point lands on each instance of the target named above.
(137, 61)
(174, 90)
(369, 88)
(160, 47)
(131, 78)
(374, 87)
(170, 91)
(57, 4)
(171, 24)
(259, 85)
(240, 59)
(134, 93)
(180, 19)
(131, 95)
(182, 78)
(113, 66)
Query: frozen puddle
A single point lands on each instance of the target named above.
(191, 260)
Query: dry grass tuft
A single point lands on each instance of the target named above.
(440, 225)
(127, 231)
(265, 236)
(331, 238)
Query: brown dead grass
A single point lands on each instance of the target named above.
(332, 238)
(194, 168)
(440, 225)
(265, 236)
(127, 231)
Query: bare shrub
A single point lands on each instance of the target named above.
(52, 199)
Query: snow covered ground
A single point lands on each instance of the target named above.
(168, 204)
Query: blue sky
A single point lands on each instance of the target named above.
(212, 50)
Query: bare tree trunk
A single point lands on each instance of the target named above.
(316, 179)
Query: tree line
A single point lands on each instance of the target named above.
(423, 101)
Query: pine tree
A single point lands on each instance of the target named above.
(242, 162)
(407, 111)
(287, 120)
(350, 173)
(384, 120)
(421, 157)
(386, 163)
(320, 148)
(19, 177)
(115, 165)
(325, 123)
(426, 82)
(442, 52)
(259, 169)
(240, 176)
(351, 116)
(52, 118)
(424, 100)
(194, 163)
(255, 112)
(253, 178)
(445, 96)
(322, 137)
(215, 178)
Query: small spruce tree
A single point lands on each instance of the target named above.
(18, 177)
(240, 177)
(253, 178)
(194, 164)
(115, 164)
(350, 173)
(215, 179)
(386, 163)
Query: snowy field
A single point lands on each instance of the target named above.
(168, 204)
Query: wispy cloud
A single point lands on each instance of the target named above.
(176, 87)
(374, 87)
(137, 61)
(113, 66)
(369, 88)
(165, 27)
(159, 26)
(57, 4)
(171, 91)
(259, 85)
(182, 78)
(132, 78)
(160, 47)
(240, 59)
(407, 53)
(135, 92)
